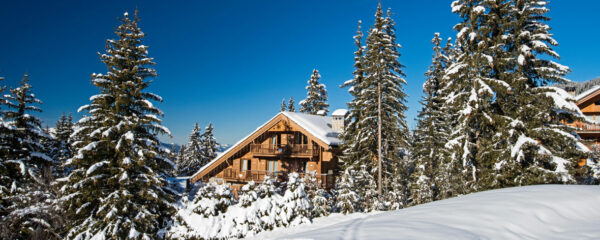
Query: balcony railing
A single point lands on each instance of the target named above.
(284, 149)
(326, 180)
(585, 127)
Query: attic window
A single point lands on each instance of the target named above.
(597, 103)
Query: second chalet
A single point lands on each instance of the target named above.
(288, 142)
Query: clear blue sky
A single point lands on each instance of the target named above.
(231, 62)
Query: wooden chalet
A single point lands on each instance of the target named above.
(289, 142)
(589, 103)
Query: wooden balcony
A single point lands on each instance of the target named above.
(234, 175)
(581, 127)
(304, 150)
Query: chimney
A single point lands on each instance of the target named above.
(337, 120)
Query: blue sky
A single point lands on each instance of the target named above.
(231, 62)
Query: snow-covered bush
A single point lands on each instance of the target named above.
(213, 199)
(346, 198)
(296, 206)
(321, 203)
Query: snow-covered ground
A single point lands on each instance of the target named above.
(533, 212)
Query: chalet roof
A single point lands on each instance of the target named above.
(588, 92)
(318, 126)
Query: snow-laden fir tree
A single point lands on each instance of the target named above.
(366, 189)
(431, 134)
(316, 96)
(383, 95)
(5, 133)
(283, 105)
(291, 107)
(180, 159)
(538, 147)
(247, 194)
(29, 202)
(321, 203)
(209, 145)
(346, 197)
(472, 82)
(295, 204)
(193, 156)
(117, 187)
(60, 148)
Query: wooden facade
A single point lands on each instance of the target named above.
(279, 147)
(589, 104)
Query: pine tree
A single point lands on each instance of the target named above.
(5, 133)
(538, 148)
(180, 160)
(193, 156)
(28, 204)
(283, 106)
(346, 197)
(291, 107)
(61, 149)
(353, 147)
(316, 96)
(472, 82)
(431, 134)
(117, 188)
(209, 145)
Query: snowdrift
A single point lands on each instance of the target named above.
(532, 212)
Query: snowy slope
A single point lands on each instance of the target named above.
(533, 212)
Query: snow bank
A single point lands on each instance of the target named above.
(533, 212)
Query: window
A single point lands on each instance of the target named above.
(300, 138)
(272, 165)
(306, 167)
(246, 165)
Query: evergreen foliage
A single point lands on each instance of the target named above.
(316, 96)
(378, 75)
(431, 134)
(28, 204)
(192, 155)
(117, 186)
(209, 146)
(346, 197)
(291, 107)
(283, 105)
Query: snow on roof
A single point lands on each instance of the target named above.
(318, 126)
(587, 93)
(339, 112)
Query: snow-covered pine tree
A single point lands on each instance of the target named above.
(538, 147)
(472, 84)
(431, 134)
(29, 203)
(321, 203)
(291, 107)
(5, 132)
(316, 96)
(383, 94)
(295, 204)
(366, 189)
(61, 148)
(209, 145)
(247, 194)
(283, 105)
(352, 146)
(193, 157)
(117, 187)
(346, 197)
(180, 159)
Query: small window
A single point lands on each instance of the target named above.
(597, 103)
(246, 165)
(306, 167)
(272, 166)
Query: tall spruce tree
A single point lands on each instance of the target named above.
(352, 145)
(316, 96)
(291, 107)
(378, 75)
(117, 188)
(209, 145)
(283, 105)
(538, 148)
(192, 156)
(29, 212)
(473, 82)
(431, 134)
